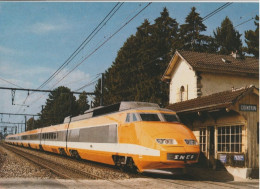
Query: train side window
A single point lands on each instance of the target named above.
(149, 117)
(127, 118)
(134, 117)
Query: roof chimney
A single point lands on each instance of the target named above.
(235, 54)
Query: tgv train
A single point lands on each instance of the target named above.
(135, 135)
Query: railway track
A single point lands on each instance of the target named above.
(112, 170)
(59, 169)
(68, 172)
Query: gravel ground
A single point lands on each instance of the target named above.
(97, 169)
(12, 166)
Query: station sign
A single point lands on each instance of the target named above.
(239, 158)
(223, 158)
(248, 107)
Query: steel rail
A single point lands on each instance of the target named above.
(29, 156)
(43, 161)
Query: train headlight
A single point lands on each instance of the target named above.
(166, 141)
(191, 142)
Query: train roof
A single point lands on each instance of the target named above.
(102, 110)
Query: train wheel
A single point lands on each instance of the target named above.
(130, 165)
(75, 154)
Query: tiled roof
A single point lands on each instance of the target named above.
(210, 102)
(220, 63)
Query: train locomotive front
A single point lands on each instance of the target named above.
(162, 141)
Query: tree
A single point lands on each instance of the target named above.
(156, 54)
(227, 38)
(60, 104)
(136, 73)
(30, 124)
(190, 33)
(252, 39)
(82, 103)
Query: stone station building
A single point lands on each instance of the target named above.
(217, 97)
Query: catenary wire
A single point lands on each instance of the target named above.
(102, 44)
(77, 50)
(216, 11)
(10, 83)
(83, 44)
(99, 46)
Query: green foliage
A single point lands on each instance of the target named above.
(30, 124)
(252, 40)
(82, 103)
(227, 38)
(190, 33)
(136, 73)
(60, 104)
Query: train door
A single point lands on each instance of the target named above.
(211, 146)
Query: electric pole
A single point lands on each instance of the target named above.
(102, 89)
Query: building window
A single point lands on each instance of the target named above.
(182, 93)
(230, 138)
(203, 139)
(257, 134)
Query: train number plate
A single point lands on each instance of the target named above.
(181, 157)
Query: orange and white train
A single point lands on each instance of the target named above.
(128, 134)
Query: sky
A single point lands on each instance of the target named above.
(36, 38)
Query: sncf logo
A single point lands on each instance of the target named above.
(181, 157)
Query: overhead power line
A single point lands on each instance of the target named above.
(38, 90)
(216, 11)
(19, 114)
(244, 22)
(89, 83)
(10, 82)
(103, 43)
(11, 123)
(82, 45)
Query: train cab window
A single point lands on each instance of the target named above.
(134, 117)
(171, 118)
(149, 117)
(127, 118)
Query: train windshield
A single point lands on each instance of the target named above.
(171, 118)
(150, 117)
